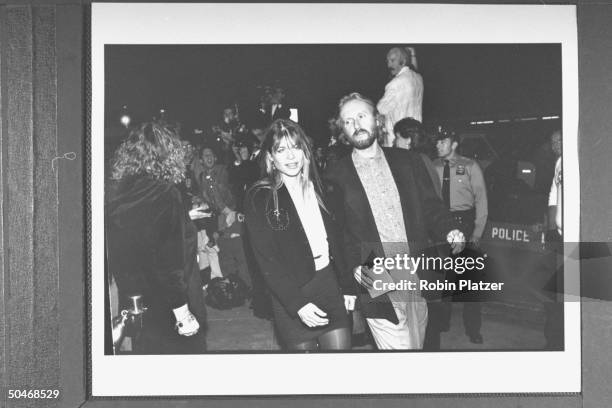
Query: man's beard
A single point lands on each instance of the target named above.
(363, 143)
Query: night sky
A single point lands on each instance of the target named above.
(462, 82)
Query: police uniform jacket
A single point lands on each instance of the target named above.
(467, 189)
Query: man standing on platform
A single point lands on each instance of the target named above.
(403, 96)
(465, 194)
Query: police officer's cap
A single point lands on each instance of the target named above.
(444, 132)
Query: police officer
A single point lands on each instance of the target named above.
(465, 194)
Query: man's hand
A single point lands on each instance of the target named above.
(312, 316)
(364, 276)
(456, 239)
(349, 302)
(230, 216)
(475, 241)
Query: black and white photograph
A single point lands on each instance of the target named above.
(316, 190)
(494, 110)
(323, 204)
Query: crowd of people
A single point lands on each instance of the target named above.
(259, 202)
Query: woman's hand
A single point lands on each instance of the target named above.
(349, 302)
(312, 316)
(186, 323)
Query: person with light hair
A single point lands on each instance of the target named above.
(403, 96)
(386, 204)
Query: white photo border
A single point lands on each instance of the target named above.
(322, 373)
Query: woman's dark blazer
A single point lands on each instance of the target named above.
(284, 256)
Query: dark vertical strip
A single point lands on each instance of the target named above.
(595, 147)
(88, 96)
(595, 150)
(46, 268)
(70, 129)
(19, 168)
(3, 294)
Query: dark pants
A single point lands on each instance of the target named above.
(472, 308)
(437, 318)
(437, 322)
(472, 317)
(553, 308)
(232, 258)
(208, 224)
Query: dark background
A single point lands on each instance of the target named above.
(43, 236)
(463, 83)
(195, 82)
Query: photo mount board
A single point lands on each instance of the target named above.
(549, 372)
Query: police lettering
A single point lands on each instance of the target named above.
(508, 234)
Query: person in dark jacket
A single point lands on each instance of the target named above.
(409, 135)
(295, 242)
(387, 206)
(242, 173)
(152, 243)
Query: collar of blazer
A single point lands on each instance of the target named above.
(355, 195)
(285, 201)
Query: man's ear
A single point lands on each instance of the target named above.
(454, 145)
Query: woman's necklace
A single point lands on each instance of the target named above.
(278, 218)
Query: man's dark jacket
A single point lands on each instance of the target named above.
(425, 217)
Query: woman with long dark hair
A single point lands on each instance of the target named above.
(152, 244)
(295, 243)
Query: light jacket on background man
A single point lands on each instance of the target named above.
(403, 98)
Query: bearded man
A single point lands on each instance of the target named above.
(385, 202)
